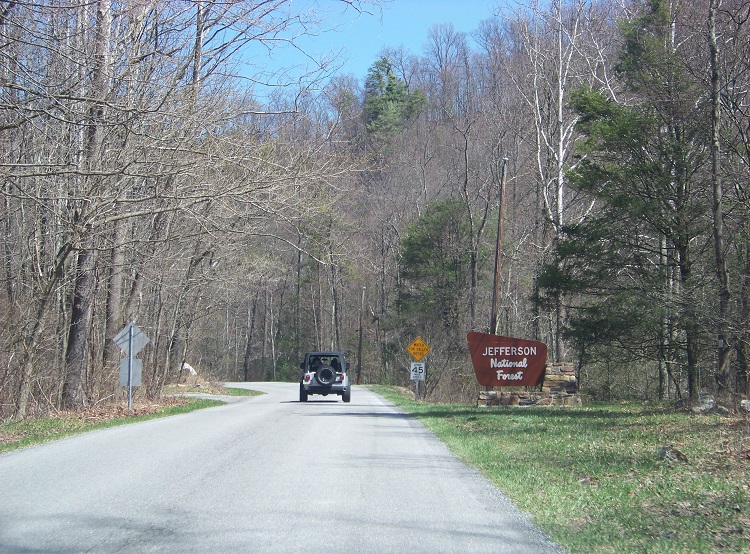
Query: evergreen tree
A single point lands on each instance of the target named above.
(388, 103)
(634, 256)
(434, 267)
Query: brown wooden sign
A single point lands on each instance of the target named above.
(506, 361)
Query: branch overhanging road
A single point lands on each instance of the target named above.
(264, 474)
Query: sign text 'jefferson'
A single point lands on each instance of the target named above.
(506, 361)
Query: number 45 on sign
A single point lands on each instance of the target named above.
(417, 371)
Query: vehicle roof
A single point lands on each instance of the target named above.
(324, 353)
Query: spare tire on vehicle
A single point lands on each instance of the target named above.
(325, 375)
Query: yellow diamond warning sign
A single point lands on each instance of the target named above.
(418, 349)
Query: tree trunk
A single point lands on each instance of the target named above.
(114, 319)
(718, 217)
(77, 355)
(250, 334)
(742, 344)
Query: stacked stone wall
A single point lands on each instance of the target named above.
(559, 388)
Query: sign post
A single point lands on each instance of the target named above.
(418, 350)
(131, 340)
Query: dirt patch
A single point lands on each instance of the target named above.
(114, 411)
(7, 437)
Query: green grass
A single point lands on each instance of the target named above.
(230, 391)
(591, 476)
(207, 388)
(28, 432)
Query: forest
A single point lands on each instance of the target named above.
(151, 173)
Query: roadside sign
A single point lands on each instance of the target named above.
(131, 340)
(123, 339)
(418, 372)
(137, 368)
(506, 361)
(418, 349)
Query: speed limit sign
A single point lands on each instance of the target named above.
(417, 371)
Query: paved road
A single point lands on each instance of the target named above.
(267, 474)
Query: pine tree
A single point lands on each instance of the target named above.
(632, 262)
(388, 103)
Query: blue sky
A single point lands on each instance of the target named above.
(361, 37)
(404, 23)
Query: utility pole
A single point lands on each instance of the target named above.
(498, 251)
(361, 330)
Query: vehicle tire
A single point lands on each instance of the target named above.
(325, 375)
(347, 396)
(302, 394)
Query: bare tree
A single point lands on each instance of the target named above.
(565, 45)
(128, 127)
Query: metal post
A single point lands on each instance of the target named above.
(130, 367)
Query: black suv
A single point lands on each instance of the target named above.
(324, 373)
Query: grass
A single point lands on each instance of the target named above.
(172, 390)
(231, 391)
(28, 432)
(592, 477)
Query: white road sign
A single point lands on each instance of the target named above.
(131, 340)
(417, 371)
(125, 369)
(123, 339)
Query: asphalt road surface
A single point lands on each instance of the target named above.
(263, 474)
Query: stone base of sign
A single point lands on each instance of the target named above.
(560, 388)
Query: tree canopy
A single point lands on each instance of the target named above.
(144, 176)
(389, 105)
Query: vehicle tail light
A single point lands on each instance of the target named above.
(307, 377)
(340, 377)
